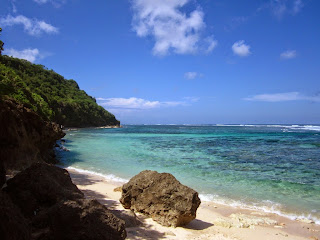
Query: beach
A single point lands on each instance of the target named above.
(213, 221)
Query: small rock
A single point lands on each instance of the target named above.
(118, 189)
(277, 226)
(305, 220)
(313, 238)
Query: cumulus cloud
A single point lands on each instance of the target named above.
(140, 104)
(27, 54)
(288, 54)
(172, 28)
(33, 27)
(281, 97)
(192, 75)
(241, 49)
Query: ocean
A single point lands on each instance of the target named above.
(273, 168)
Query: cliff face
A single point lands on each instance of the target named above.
(24, 137)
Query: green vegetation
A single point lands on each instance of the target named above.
(50, 95)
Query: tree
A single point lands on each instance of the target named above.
(1, 43)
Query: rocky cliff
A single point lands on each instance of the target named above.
(24, 137)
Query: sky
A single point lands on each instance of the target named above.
(178, 61)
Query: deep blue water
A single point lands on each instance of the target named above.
(268, 167)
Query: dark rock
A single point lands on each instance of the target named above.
(2, 174)
(83, 219)
(13, 225)
(40, 186)
(161, 196)
(129, 217)
(56, 208)
(25, 137)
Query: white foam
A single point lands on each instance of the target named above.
(269, 207)
(292, 127)
(109, 177)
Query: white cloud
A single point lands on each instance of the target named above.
(140, 104)
(288, 54)
(281, 97)
(191, 99)
(13, 5)
(129, 103)
(192, 75)
(33, 27)
(41, 1)
(241, 49)
(280, 8)
(212, 44)
(55, 3)
(27, 54)
(171, 28)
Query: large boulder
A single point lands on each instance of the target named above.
(56, 208)
(13, 225)
(40, 186)
(161, 196)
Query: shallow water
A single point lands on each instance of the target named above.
(275, 168)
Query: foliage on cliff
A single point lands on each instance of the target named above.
(50, 95)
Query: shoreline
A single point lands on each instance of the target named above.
(204, 198)
(214, 221)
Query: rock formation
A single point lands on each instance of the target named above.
(56, 208)
(13, 225)
(41, 186)
(24, 137)
(162, 197)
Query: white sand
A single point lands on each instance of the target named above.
(205, 226)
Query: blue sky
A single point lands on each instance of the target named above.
(178, 61)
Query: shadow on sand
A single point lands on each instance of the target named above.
(197, 224)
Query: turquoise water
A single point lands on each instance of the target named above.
(267, 167)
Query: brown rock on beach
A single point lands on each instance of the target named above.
(162, 197)
(56, 209)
